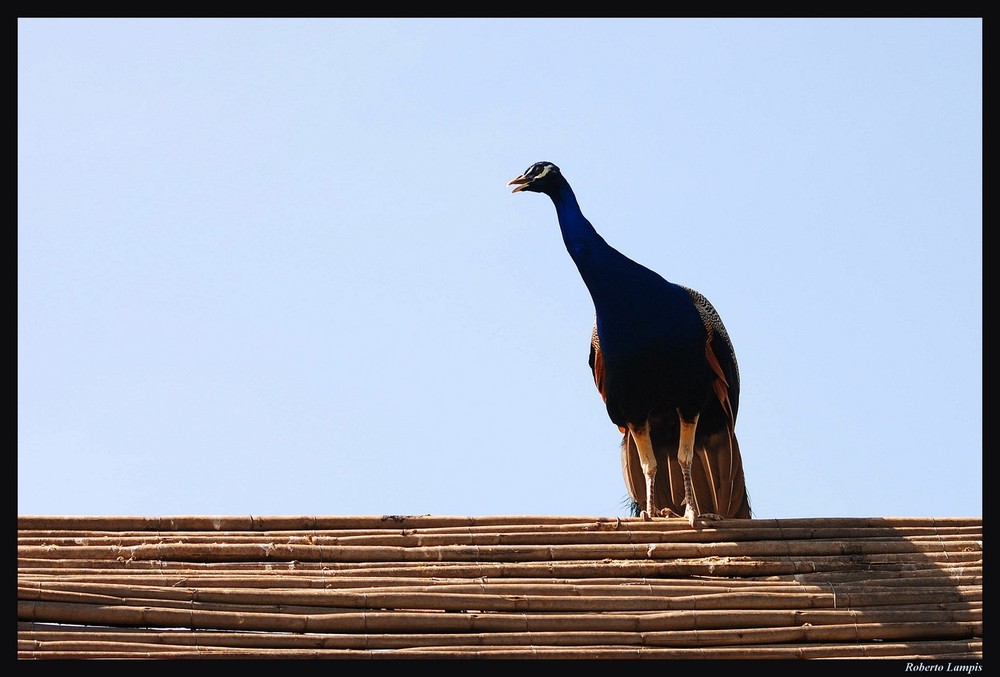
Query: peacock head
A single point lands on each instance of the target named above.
(540, 177)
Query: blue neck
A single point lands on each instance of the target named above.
(621, 289)
(585, 246)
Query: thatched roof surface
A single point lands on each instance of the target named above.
(498, 587)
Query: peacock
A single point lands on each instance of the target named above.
(664, 364)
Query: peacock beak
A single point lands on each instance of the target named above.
(521, 183)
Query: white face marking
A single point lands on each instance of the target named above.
(545, 170)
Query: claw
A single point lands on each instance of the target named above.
(703, 517)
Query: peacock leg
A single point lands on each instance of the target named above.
(685, 455)
(644, 445)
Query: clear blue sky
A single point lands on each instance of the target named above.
(272, 267)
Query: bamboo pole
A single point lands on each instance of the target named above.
(293, 619)
(560, 535)
(538, 624)
(312, 579)
(530, 600)
(971, 650)
(187, 588)
(817, 567)
(644, 532)
(680, 639)
(283, 552)
(898, 625)
(319, 523)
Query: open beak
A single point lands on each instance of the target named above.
(521, 182)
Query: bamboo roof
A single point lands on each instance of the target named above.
(498, 587)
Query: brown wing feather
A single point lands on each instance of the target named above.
(718, 463)
(721, 385)
(597, 363)
(720, 455)
(597, 366)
